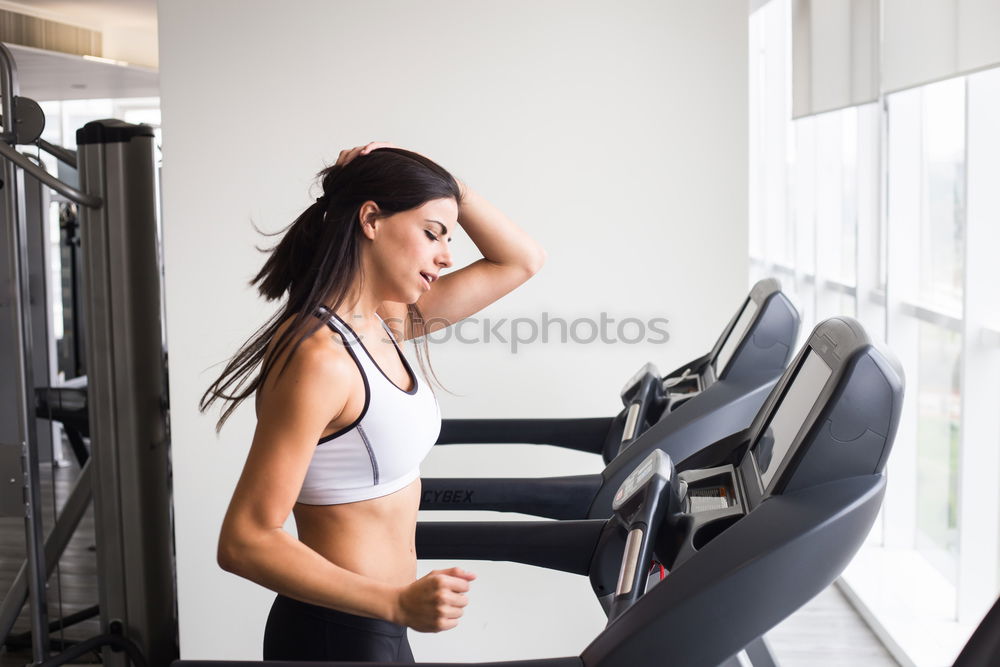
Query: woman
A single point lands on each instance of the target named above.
(342, 420)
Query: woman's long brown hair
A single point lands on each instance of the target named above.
(318, 258)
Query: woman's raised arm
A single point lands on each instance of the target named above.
(510, 257)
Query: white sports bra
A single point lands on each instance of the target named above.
(380, 452)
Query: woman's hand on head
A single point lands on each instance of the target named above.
(434, 602)
(349, 154)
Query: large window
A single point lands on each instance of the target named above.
(926, 218)
(890, 212)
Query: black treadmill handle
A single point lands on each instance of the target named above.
(567, 546)
(551, 497)
(574, 661)
(584, 435)
(983, 647)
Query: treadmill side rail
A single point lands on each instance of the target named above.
(567, 546)
(550, 497)
(546, 662)
(584, 435)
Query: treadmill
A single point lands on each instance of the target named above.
(772, 519)
(711, 397)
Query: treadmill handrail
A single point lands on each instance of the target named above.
(567, 546)
(573, 661)
(567, 497)
(584, 435)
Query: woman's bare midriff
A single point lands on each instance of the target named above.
(374, 538)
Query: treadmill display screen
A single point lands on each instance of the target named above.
(777, 439)
(735, 336)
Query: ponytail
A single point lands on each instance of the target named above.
(279, 274)
(319, 257)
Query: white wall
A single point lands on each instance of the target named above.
(615, 132)
(135, 44)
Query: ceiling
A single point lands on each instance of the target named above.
(47, 75)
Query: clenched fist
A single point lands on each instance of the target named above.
(435, 601)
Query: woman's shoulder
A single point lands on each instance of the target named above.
(318, 360)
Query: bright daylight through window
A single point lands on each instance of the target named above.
(888, 211)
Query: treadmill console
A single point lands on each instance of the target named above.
(711, 489)
(683, 385)
(710, 500)
(750, 353)
(766, 317)
(832, 416)
(770, 452)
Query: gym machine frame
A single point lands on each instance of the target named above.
(128, 472)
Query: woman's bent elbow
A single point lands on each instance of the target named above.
(537, 261)
(227, 554)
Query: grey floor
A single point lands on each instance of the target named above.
(827, 632)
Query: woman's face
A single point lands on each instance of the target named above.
(409, 249)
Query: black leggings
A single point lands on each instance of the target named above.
(300, 631)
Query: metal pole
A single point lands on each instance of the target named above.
(8, 89)
(20, 297)
(63, 154)
(127, 398)
(71, 193)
